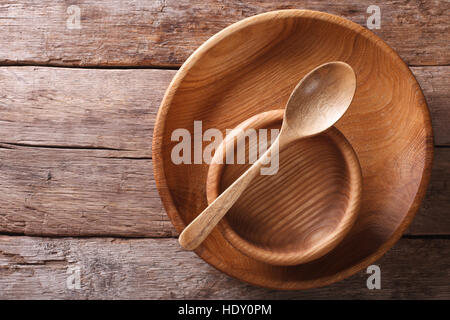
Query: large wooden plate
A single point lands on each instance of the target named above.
(252, 67)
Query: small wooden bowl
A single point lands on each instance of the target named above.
(300, 213)
(252, 67)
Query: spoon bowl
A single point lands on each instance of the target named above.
(324, 95)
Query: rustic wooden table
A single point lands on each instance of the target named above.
(78, 99)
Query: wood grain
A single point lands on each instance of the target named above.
(252, 67)
(117, 108)
(36, 268)
(166, 32)
(433, 216)
(57, 192)
(435, 84)
(81, 108)
(66, 120)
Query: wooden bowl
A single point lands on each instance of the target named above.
(252, 67)
(298, 214)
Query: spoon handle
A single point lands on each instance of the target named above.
(194, 234)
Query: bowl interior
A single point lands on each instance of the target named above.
(297, 214)
(252, 67)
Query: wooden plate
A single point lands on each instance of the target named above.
(252, 67)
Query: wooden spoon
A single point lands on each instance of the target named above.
(317, 102)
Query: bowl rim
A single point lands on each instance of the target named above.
(158, 133)
(293, 257)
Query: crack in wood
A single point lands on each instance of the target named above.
(89, 67)
(71, 147)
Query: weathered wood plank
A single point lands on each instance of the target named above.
(64, 192)
(165, 32)
(434, 214)
(58, 192)
(97, 108)
(435, 84)
(37, 268)
(76, 148)
(82, 108)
